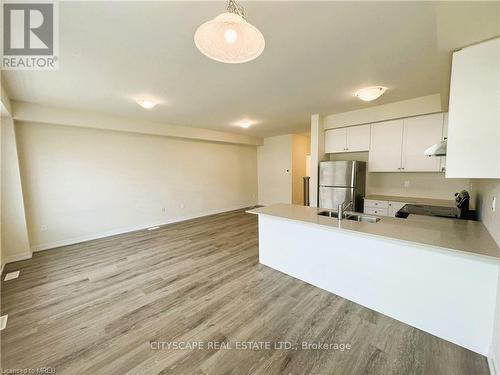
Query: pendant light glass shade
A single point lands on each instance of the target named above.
(228, 38)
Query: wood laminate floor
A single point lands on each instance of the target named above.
(98, 307)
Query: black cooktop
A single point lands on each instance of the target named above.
(426, 210)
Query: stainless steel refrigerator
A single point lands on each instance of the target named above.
(341, 181)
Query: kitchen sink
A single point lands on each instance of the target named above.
(353, 217)
(363, 218)
(329, 213)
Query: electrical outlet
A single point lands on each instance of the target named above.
(163, 209)
(494, 204)
(44, 228)
(407, 184)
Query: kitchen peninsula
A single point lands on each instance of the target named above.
(438, 275)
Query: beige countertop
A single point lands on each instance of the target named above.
(429, 201)
(451, 234)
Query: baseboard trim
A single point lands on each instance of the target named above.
(17, 258)
(76, 240)
(492, 366)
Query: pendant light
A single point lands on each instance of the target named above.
(229, 38)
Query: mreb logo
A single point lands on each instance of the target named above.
(29, 36)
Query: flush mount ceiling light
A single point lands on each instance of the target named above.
(229, 38)
(146, 104)
(245, 123)
(370, 93)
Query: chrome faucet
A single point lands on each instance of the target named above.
(342, 208)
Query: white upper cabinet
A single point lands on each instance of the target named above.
(358, 138)
(336, 140)
(351, 139)
(421, 133)
(474, 112)
(386, 146)
(399, 145)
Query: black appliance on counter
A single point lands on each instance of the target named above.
(461, 211)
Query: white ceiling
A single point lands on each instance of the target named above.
(317, 54)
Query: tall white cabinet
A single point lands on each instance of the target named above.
(474, 112)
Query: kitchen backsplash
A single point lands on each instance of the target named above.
(409, 184)
(486, 190)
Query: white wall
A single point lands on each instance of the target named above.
(421, 184)
(495, 344)
(29, 112)
(486, 190)
(83, 183)
(300, 149)
(5, 115)
(275, 170)
(317, 155)
(1, 257)
(374, 113)
(14, 232)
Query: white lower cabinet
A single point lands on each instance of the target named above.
(394, 207)
(375, 207)
(376, 211)
(382, 208)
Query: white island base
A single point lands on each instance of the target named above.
(447, 293)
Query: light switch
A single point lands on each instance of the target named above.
(493, 204)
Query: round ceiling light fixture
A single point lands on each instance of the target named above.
(229, 38)
(370, 93)
(146, 104)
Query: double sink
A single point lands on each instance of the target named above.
(352, 217)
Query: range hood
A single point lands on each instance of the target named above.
(439, 149)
